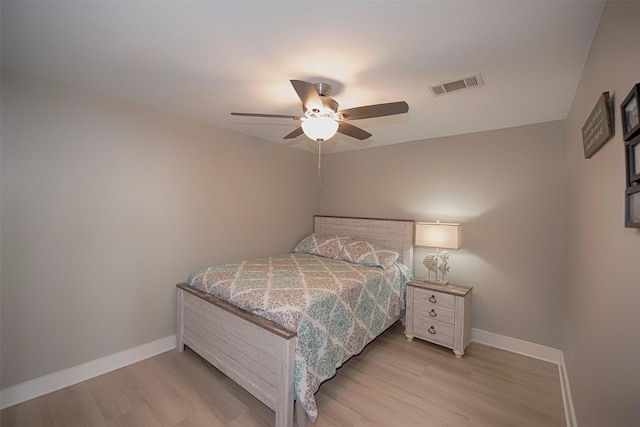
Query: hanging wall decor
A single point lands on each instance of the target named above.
(629, 113)
(632, 192)
(599, 127)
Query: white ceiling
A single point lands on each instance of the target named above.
(203, 60)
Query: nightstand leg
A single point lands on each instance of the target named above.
(409, 337)
(458, 353)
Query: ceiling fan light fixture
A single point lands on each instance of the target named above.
(319, 128)
(321, 117)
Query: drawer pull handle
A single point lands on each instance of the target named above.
(432, 299)
(432, 330)
(433, 313)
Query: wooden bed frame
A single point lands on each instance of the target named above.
(256, 353)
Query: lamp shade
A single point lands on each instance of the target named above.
(439, 235)
(319, 128)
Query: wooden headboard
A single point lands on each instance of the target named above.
(392, 233)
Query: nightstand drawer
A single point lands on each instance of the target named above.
(427, 298)
(434, 331)
(434, 313)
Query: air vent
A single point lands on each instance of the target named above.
(457, 85)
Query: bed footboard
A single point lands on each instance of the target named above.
(255, 353)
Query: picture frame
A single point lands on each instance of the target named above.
(632, 207)
(633, 161)
(632, 193)
(629, 111)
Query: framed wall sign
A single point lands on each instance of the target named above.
(599, 127)
(629, 113)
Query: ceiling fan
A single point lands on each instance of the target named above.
(321, 118)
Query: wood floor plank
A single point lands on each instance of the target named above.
(335, 412)
(138, 416)
(404, 390)
(393, 382)
(201, 382)
(32, 413)
(172, 399)
(74, 406)
(250, 419)
(116, 393)
(161, 396)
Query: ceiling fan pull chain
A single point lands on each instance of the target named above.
(319, 158)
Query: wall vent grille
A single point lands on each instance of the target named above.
(456, 85)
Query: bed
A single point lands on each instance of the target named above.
(253, 348)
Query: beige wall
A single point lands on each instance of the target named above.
(507, 188)
(106, 206)
(602, 296)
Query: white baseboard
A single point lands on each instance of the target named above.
(31, 389)
(569, 411)
(514, 345)
(537, 351)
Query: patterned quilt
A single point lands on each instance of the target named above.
(336, 307)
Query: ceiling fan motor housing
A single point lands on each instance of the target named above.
(323, 89)
(330, 104)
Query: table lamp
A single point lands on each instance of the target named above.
(439, 235)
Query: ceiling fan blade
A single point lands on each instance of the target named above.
(294, 134)
(308, 95)
(370, 111)
(352, 131)
(273, 116)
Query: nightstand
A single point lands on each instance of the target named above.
(440, 314)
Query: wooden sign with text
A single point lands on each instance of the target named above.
(599, 127)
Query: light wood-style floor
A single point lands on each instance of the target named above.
(392, 383)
